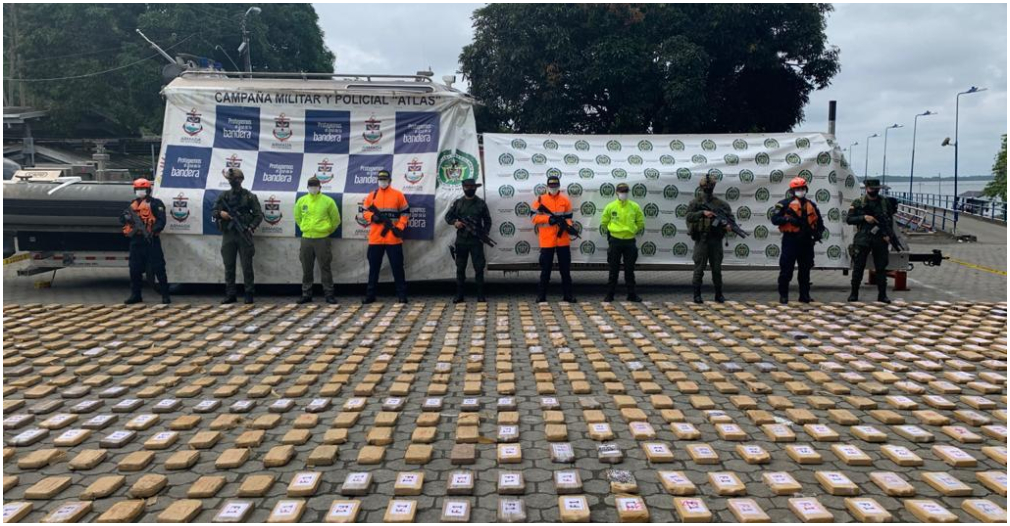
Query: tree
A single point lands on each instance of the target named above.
(659, 68)
(997, 187)
(77, 40)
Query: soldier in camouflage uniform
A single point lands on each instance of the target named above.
(707, 239)
(865, 213)
(245, 204)
(469, 246)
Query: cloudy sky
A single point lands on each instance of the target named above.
(897, 60)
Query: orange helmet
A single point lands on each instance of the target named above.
(141, 183)
(797, 182)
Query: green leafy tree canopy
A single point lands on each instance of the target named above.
(997, 187)
(659, 68)
(73, 41)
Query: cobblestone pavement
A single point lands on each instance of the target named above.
(592, 411)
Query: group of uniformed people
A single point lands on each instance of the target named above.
(237, 212)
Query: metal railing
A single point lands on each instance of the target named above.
(991, 210)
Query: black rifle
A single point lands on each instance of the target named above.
(235, 223)
(138, 225)
(471, 226)
(883, 225)
(805, 227)
(560, 222)
(722, 219)
(387, 223)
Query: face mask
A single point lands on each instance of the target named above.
(553, 191)
(383, 184)
(623, 196)
(141, 194)
(235, 183)
(873, 192)
(314, 190)
(470, 192)
(800, 193)
(708, 190)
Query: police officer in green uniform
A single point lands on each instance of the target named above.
(707, 239)
(866, 213)
(474, 210)
(234, 242)
(623, 220)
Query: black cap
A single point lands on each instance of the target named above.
(471, 183)
(622, 187)
(384, 174)
(553, 180)
(871, 183)
(314, 181)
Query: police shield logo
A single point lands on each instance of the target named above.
(807, 175)
(324, 171)
(850, 181)
(681, 210)
(588, 209)
(232, 162)
(732, 193)
(506, 191)
(602, 160)
(648, 249)
(677, 145)
(571, 159)
(553, 172)
(741, 251)
(507, 229)
(760, 232)
(743, 213)
(684, 174)
(680, 249)
(582, 145)
(803, 143)
(746, 176)
(668, 230)
(824, 158)
(607, 190)
(586, 173)
(639, 190)
(282, 128)
(833, 177)
(518, 144)
(415, 171)
(540, 189)
(762, 159)
(708, 145)
(373, 130)
(613, 146)
(521, 174)
(193, 124)
(651, 173)
(731, 159)
(644, 146)
(739, 144)
(834, 215)
(776, 176)
(822, 195)
(454, 166)
(667, 160)
(522, 248)
(762, 194)
(699, 159)
(634, 160)
(793, 159)
(771, 144)
(272, 210)
(359, 218)
(770, 212)
(180, 208)
(715, 174)
(587, 247)
(772, 251)
(506, 159)
(539, 158)
(670, 192)
(619, 173)
(550, 144)
(523, 209)
(574, 189)
(834, 252)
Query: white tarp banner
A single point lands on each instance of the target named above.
(663, 172)
(282, 132)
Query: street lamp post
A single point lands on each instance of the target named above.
(884, 169)
(244, 48)
(852, 151)
(866, 161)
(957, 108)
(911, 171)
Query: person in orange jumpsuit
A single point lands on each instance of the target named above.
(388, 212)
(554, 239)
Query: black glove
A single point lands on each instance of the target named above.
(554, 221)
(396, 231)
(376, 219)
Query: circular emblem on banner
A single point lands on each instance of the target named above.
(602, 160)
(574, 189)
(571, 158)
(834, 252)
(822, 195)
(770, 212)
(681, 210)
(824, 158)
(746, 176)
(826, 235)
(588, 209)
(506, 159)
(699, 159)
(634, 160)
(586, 173)
(684, 174)
(613, 146)
(833, 177)
(762, 159)
(803, 143)
(619, 173)
(651, 173)
(850, 181)
(776, 176)
(522, 209)
(553, 172)
(644, 146)
(760, 232)
(607, 190)
(762, 194)
(741, 251)
(603, 230)
(521, 174)
(540, 189)
(667, 160)
(651, 210)
(670, 192)
(680, 249)
(708, 145)
(550, 144)
(518, 144)
(506, 190)
(732, 193)
(835, 215)
(587, 247)
(677, 145)
(639, 190)
(772, 251)
(577, 226)
(807, 175)
(793, 159)
(743, 213)
(648, 248)
(539, 158)
(454, 167)
(668, 230)
(843, 162)
(522, 248)
(771, 143)
(731, 159)
(581, 145)
(716, 173)
(739, 145)
(507, 229)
